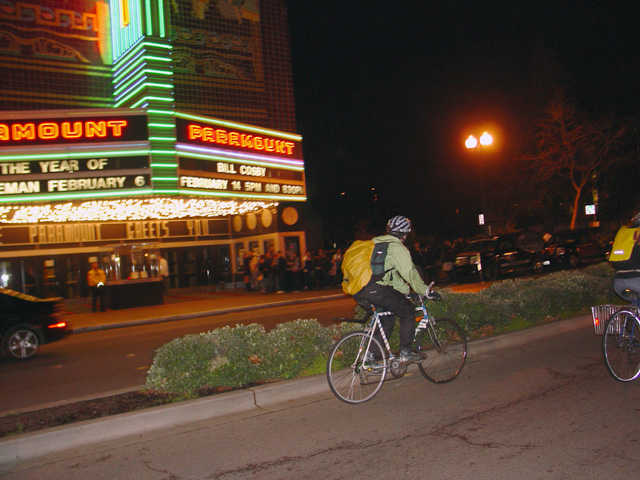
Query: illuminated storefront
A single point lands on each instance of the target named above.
(159, 159)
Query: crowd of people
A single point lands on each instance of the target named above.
(275, 272)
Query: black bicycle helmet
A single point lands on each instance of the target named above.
(398, 226)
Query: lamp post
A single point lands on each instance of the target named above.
(472, 143)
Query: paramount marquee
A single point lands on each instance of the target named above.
(76, 182)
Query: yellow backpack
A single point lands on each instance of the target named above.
(624, 255)
(363, 262)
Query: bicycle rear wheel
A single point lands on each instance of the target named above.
(445, 346)
(350, 378)
(621, 346)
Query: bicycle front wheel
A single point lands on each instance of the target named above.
(445, 346)
(621, 346)
(350, 378)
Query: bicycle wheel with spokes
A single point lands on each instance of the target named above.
(621, 346)
(445, 346)
(350, 378)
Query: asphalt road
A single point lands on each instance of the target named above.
(97, 363)
(545, 410)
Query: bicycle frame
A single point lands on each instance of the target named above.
(426, 322)
(633, 311)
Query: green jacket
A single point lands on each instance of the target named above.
(401, 272)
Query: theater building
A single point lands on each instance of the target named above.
(131, 129)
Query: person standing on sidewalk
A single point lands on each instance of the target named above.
(163, 269)
(96, 279)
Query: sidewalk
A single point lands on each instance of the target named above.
(180, 306)
(200, 304)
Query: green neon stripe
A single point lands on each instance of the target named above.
(251, 128)
(6, 158)
(146, 99)
(134, 50)
(163, 139)
(161, 18)
(68, 196)
(159, 59)
(240, 160)
(128, 65)
(137, 91)
(161, 112)
(162, 125)
(133, 64)
(163, 152)
(149, 19)
(128, 85)
(129, 82)
(241, 195)
(164, 165)
(159, 45)
(131, 94)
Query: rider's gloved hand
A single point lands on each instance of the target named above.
(412, 296)
(436, 297)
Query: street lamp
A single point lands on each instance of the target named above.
(472, 143)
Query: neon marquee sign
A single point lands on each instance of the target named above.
(195, 133)
(68, 130)
(72, 130)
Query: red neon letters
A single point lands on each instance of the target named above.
(237, 139)
(54, 130)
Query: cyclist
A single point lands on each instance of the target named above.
(628, 278)
(391, 292)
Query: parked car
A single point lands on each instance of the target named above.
(572, 248)
(488, 258)
(27, 322)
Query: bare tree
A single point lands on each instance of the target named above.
(571, 146)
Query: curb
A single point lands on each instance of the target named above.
(270, 397)
(264, 398)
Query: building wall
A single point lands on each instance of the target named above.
(54, 54)
(233, 62)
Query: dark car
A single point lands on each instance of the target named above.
(488, 258)
(572, 248)
(27, 322)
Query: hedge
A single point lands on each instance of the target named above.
(243, 355)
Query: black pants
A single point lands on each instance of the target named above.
(389, 299)
(98, 293)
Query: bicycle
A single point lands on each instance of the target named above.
(621, 342)
(358, 364)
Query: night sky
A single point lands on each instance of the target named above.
(387, 91)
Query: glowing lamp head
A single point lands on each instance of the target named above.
(486, 139)
(471, 142)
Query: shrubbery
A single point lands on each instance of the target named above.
(232, 357)
(528, 301)
(242, 355)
